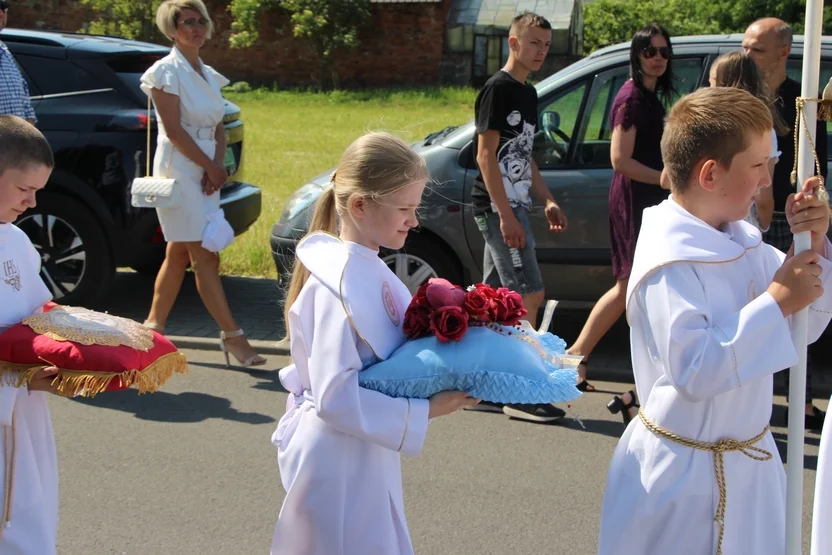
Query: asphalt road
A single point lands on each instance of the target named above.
(191, 470)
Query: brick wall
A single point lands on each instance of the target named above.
(401, 45)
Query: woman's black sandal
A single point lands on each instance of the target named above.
(616, 405)
(583, 385)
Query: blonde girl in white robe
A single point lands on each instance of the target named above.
(339, 444)
(29, 484)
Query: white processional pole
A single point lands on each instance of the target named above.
(802, 242)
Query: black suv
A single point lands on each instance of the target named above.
(85, 91)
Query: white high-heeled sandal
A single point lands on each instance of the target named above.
(254, 360)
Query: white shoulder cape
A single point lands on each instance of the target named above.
(670, 234)
(374, 299)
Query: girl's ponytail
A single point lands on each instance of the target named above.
(323, 219)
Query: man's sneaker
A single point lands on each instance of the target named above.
(534, 413)
(486, 406)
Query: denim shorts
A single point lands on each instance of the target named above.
(515, 269)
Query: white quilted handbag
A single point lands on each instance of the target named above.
(155, 192)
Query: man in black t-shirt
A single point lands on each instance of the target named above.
(506, 120)
(769, 42)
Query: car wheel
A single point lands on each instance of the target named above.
(421, 259)
(75, 259)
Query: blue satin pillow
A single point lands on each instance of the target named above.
(491, 366)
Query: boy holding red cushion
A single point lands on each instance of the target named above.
(29, 483)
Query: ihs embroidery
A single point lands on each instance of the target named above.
(11, 275)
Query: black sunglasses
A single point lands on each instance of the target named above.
(4, 5)
(651, 51)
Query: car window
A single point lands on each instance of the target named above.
(131, 68)
(687, 75)
(594, 147)
(557, 122)
(794, 69)
(593, 150)
(58, 76)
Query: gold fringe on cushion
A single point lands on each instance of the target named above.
(71, 383)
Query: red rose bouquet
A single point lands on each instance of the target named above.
(446, 311)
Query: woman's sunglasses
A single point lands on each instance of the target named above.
(4, 6)
(651, 51)
(192, 22)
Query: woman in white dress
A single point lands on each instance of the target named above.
(191, 148)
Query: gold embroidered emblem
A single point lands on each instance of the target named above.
(87, 327)
(11, 275)
(389, 303)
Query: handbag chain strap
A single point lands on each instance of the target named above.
(147, 166)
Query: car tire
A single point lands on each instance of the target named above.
(421, 258)
(76, 264)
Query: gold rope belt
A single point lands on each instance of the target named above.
(722, 446)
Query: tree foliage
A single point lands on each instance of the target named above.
(133, 19)
(245, 21)
(328, 26)
(609, 22)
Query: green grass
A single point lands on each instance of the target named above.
(292, 136)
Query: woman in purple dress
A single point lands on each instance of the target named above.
(637, 121)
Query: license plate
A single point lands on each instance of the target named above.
(229, 161)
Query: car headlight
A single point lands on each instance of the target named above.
(301, 200)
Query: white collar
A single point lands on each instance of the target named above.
(361, 250)
(179, 57)
(365, 286)
(670, 234)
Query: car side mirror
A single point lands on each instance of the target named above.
(550, 121)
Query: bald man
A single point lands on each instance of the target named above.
(768, 42)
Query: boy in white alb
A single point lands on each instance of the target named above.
(709, 306)
(29, 484)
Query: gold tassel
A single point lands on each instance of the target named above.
(70, 383)
(825, 104)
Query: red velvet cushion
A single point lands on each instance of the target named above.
(108, 354)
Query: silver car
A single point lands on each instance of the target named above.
(572, 150)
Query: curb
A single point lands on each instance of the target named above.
(212, 344)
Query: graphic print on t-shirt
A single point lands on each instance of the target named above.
(510, 107)
(514, 158)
